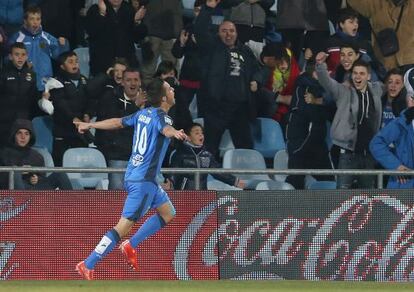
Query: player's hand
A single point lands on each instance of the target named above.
(81, 126)
(34, 179)
(62, 41)
(102, 7)
(321, 57)
(180, 135)
(1, 38)
(212, 3)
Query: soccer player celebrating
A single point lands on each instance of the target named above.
(152, 132)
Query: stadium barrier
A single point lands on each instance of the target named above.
(379, 173)
(308, 234)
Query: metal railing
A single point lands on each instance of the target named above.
(379, 173)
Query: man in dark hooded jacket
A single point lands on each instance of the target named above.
(306, 129)
(20, 153)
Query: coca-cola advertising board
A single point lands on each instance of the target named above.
(44, 234)
(317, 235)
(313, 235)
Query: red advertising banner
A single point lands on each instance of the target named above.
(43, 235)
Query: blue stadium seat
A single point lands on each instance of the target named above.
(267, 137)
(274, 185)
(322, 185)
(280, 161)
(226, 143)
(216, 185)
(83, 57)
(188, 6)
(47, 157)
(86, 158)
(43, 129)
(246, 159)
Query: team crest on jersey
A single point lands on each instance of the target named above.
(137, 160)
(168, 120)
(29, 77)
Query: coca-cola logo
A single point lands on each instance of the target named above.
(364, 237)
(8, 210)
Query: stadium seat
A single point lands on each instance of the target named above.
(83, 57)
(47, 157)
(216, 185)
(193, 107)
(188, 6)
(226, 143)
(199, 121)
(274, 185)
(267, 137)
(280, 161)
(246, 159)
(86, 158)
(322, 185)
(43, 127)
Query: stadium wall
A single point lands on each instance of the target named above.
(313, 235)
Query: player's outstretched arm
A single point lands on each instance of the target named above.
(109, 124)
(171, 132)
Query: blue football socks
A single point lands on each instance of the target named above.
(150, 226)
(105, 246)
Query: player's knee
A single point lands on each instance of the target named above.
(169, 216)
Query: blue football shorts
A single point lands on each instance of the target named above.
(142, 196)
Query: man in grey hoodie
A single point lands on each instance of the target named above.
(357, 119)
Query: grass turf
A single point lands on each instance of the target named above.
(228, 286)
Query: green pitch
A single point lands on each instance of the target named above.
(208, 286)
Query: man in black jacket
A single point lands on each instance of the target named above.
(227, 82)
(121, 102)
(113, 26)
(18, 91)
(19, 153)
(306, 129)
(72, 102)
(192, 154)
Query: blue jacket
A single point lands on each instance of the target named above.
(11, 11)
(41, 47)
(400, 133)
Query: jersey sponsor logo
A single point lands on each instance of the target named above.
(137, 160)
(144, 119)
(11, 78)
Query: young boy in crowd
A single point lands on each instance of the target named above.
(192, 154)
(41, 46)
(17, 90)
(347, 33)
(72, 103)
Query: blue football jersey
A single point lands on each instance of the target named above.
(149, 144)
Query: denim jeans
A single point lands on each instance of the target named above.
(356, 161)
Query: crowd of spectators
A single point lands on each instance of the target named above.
(306, 64)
